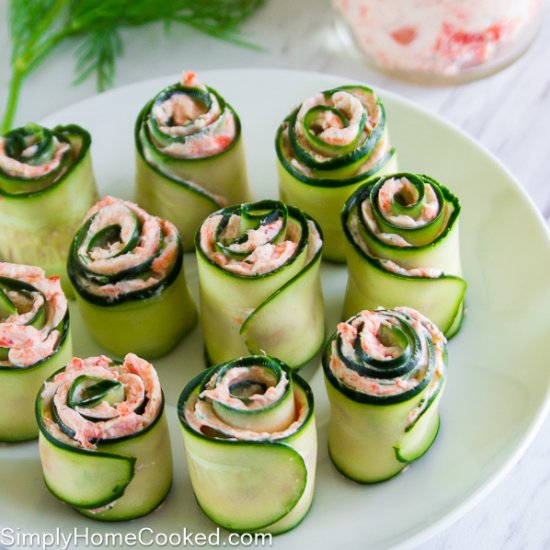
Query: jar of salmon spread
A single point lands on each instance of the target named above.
(440, 41)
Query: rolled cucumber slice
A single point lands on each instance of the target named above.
(253, 476)
(277, 310)
(317, 175)
(135, 296)
(112, 477)
(386, 267)
(381, 422)
(35, 341)
(19, 387)
(186, 170)
(40, 213)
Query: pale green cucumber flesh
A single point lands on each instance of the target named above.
(456, 325)
(84, 479)
(20, 386)
(186, 190)
(229, 476)
(418, 441)
(341, 467)
(149, 327)
(440, 299)
(226, 298)
(295, 309)
(126, 477)
(55, 211)
(371, 443)
(252, 485)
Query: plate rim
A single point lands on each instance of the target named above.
(473, 499)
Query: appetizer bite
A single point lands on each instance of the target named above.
(402, 248)
(259, 283)
(190, 156)
(104, 441)
(250, 444)
(46, 186)
(35, 341)
(384, 373)
(127, 269)
(330, 144)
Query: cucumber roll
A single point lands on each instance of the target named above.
(334, 141)
(384, 373)
(250, 444)
(190, 156)
(402, 248)
(35, 341)
(46, 187)
(127, 269)
(104, 442)
(259, 284)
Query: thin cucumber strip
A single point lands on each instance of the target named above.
(35, 341)
(381, 422)
(326, 148)
(190, 156)
(68, 475)
(411, 258)
(46, 186)
(6, 306)
(275, 323)
(237, 472)
(259, 286)
(417, 441)
(112, 466)
(258, 476)
(131, 289)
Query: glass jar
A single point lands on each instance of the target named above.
(440, 41)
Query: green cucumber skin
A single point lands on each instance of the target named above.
(160, 194)
(363, 437)
(146, 486)
(303, 443)
(19, 389)
(324, 203)
(37, 228)
(149, 327)
(370, 286)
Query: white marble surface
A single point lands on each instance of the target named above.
(509, 113)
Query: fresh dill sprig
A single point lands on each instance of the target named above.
(38, 26)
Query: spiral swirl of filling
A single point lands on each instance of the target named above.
(121, 252)
(387, 355)
(34, 316)
(248, 399)
(33, 158)
(96, 400)
(338, 133)
(258, 238)
(394, 218)
(187, 121)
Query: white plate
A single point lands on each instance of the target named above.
(497, 391)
